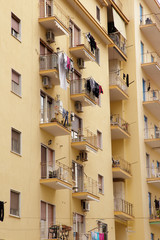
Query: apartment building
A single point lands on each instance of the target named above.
(80, 124)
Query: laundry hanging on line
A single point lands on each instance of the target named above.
(92, 42)
(94, 87)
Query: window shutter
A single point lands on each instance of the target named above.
(15, 23)
(76, 124)
(76, 36)
(50, 215)
(15, 201)
(43, 162)
(43, 211)
(15, 77)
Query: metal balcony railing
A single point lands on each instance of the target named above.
(119, 40)
(48, 62)
(115, 79)
(86, 136)
(154, 213)
(153, 172)
(86, 184)
(121, 163)
(83, 40)
(149, 19)
(48, 116)
(49, 8)
(59, 171)
(151, 133)
(121, 205)
(152, 95)
(79, 86)
(117, 120)
(150, 57)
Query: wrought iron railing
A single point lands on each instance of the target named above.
(49, 8)
(150, 57)
(79, 86)
(151, 133)
(120, 205)
(153, 172)
(152, 95)
(86, 184)
(119, 40)
(60, 171)
(48, 62)
(48, 116)
(85, 136)
(121, 163)
(117, 120)
(116, 80)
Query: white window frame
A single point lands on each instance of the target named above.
(102, 184)
(101, 139)
(13, 129)
(17, 216)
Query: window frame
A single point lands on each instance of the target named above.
(13, 82)
(99, 133)
(101, 190)
(98, 13)
(14, 33)
(19, 204)
(20, 141)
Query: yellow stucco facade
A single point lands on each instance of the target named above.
(80, 138)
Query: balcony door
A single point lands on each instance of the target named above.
(76, 83)
(148, 165)
(47, 162)
(144, 90)
(146, 127)
(77, 129)
(78, 227)
(150, 204)
(77, 176)
(75, 35)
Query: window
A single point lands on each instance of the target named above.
(99, 140)
(75, 35)
(97, 55)
(144, 89)
(78, 226)
(15, 203)
(47, 106)
(141, 13)
(142, 52)
(77, 129)
(47, 162)
(15, 26)
(152, 236)
(98, 13)
(16, 82)
(47, 219)
(101, 184)
(16, 141)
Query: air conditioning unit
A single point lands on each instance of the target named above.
(78, 107)
(83, 156)
(46, 82)
(50, 36)
(80, 63)
(85, 206)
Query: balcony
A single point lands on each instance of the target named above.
(150, 26)
(49, 67)
(154, 6)
(153, 176)
(119, 127)
(86, 189)
(123, 209)
(118, 49)
(56, 232)
(83, 50)
(152, 138)
(84, 141)
(53, 17)
(151, 101)
(80, 90)
(58, 177)
(150, 63)
(54, 122)
(118, 88)
(121, 168)
(154, 215)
